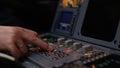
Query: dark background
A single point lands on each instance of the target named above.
(36, 15)
(101, 19)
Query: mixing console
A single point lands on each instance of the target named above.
(84, 32)
(67, 50)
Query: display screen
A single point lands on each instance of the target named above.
(66, 17)
(101, 19)
(65, 21)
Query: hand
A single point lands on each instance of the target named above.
(16, 39)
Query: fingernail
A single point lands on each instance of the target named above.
(49, 48)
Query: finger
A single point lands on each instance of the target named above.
(14, 50)
(22, 47)
(27, 32)
(33, 38)
(40, 43)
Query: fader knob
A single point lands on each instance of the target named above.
(76, 46)
(87, 48)
(68, 43)
(60, 41)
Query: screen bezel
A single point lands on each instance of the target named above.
(112, 44)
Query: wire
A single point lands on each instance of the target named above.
(7, 56)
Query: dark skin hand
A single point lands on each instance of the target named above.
(16, 40)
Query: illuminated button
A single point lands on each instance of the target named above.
(51, 40)
(97, 57)
(51, 44)
(45, 39)
(60, 41)
(60, 46)
(88, 61)
(93, 59)
(89, 54)
(68, 51)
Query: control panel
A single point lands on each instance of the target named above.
(66, 50)
(83, 33)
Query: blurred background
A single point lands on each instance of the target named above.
(36, 15)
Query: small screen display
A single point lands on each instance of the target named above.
(66, 17)
(101, 19)
(65, 21)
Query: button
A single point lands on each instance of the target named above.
(45, 39)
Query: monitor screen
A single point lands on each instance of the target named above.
(66, 17)
(101, 19)
(65, 21)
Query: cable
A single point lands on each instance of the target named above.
(7, 56)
